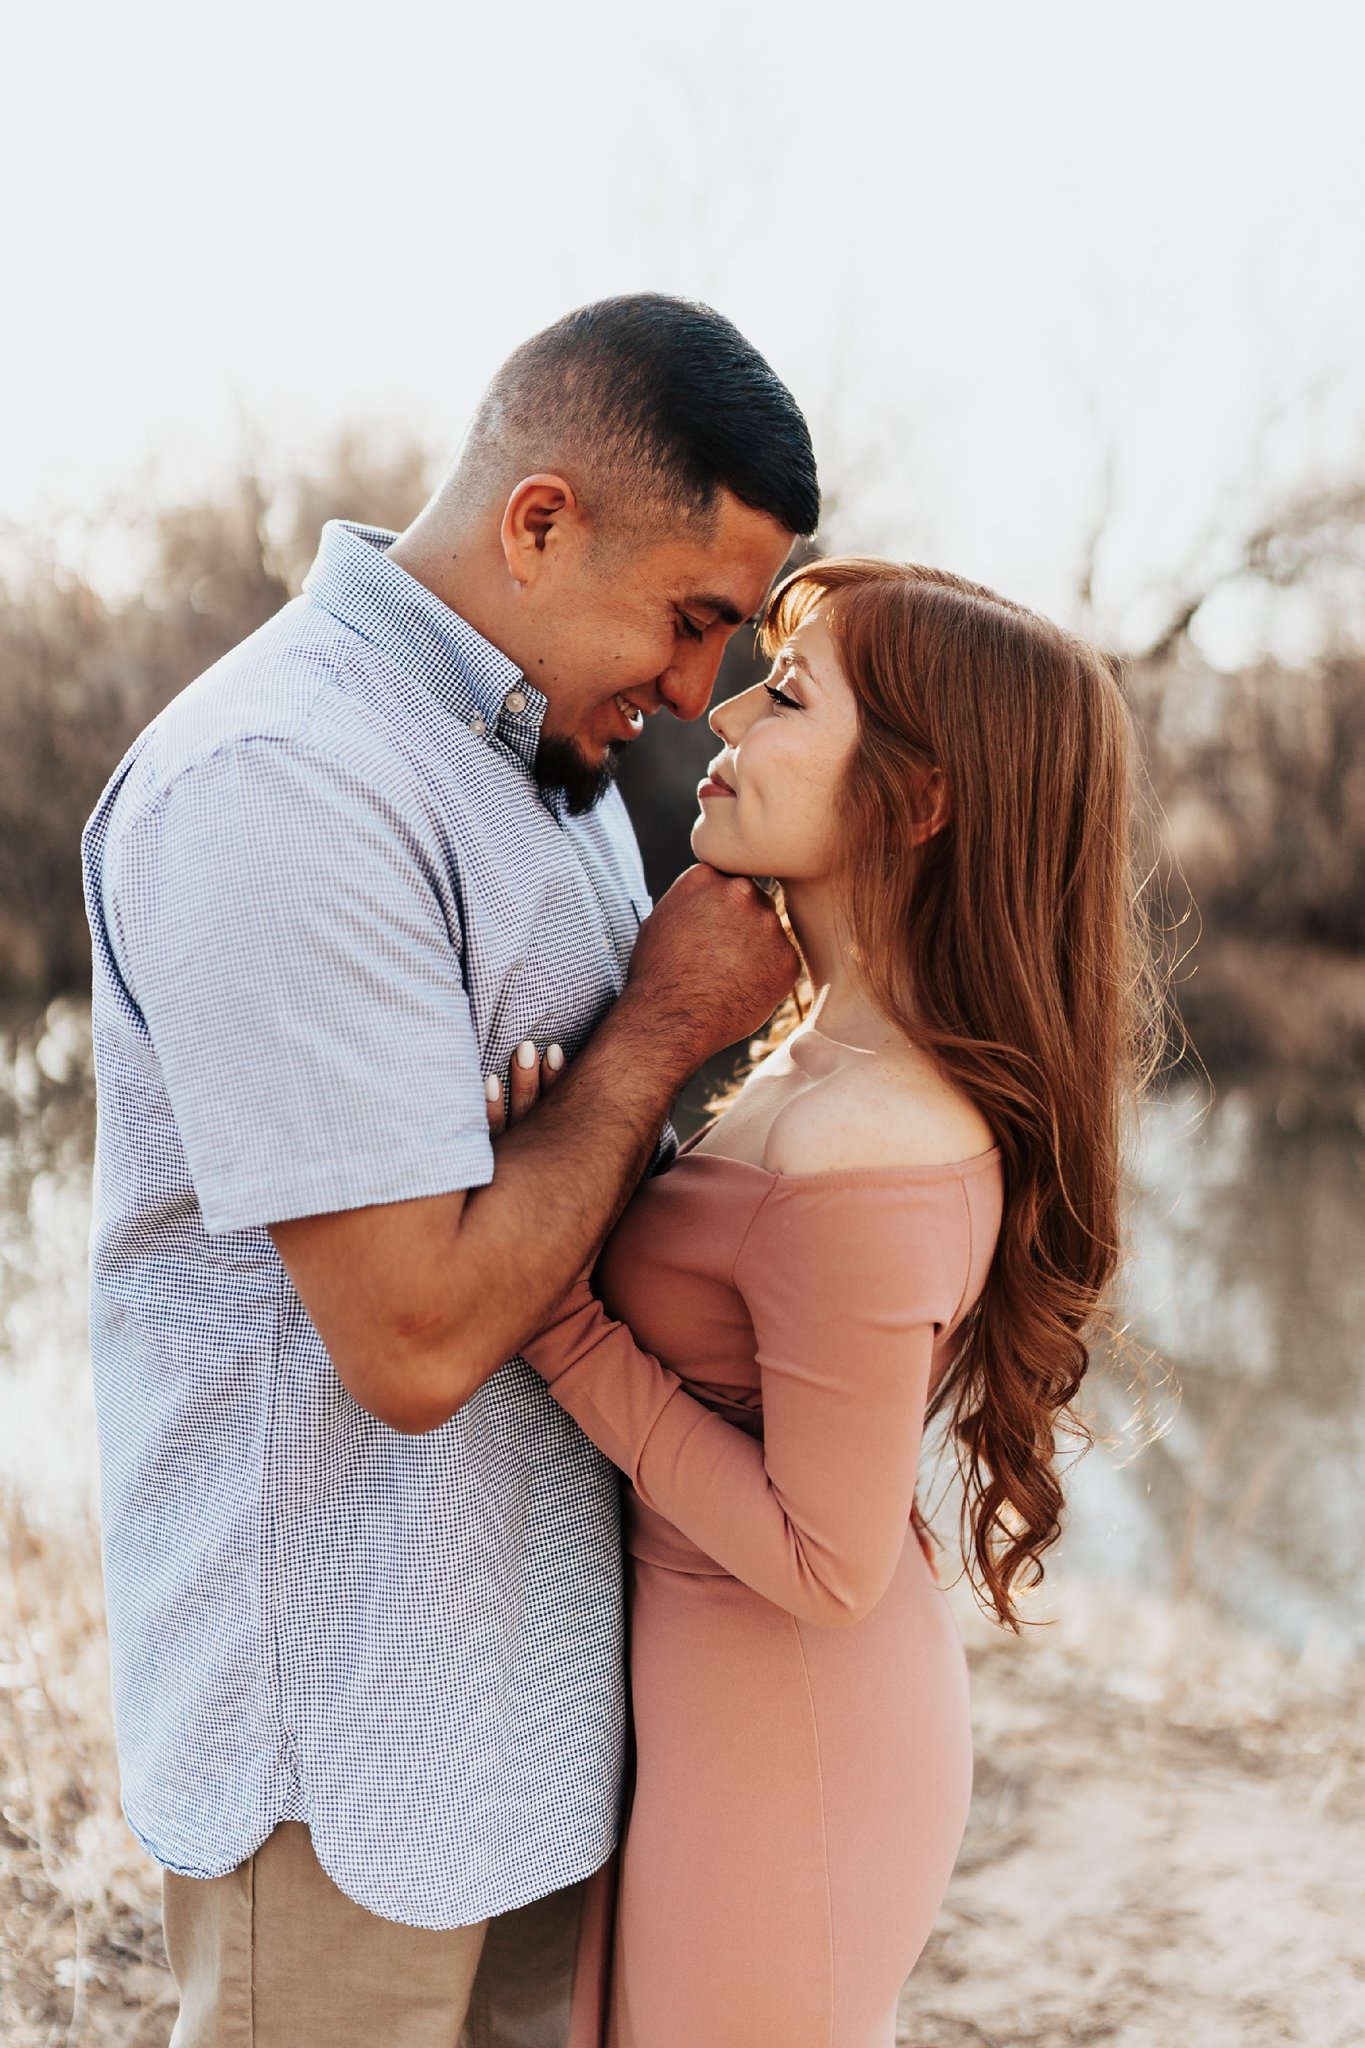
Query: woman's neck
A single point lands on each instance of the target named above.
(843, 1008)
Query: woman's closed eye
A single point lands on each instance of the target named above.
(781, 699)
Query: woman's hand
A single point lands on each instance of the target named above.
(530, 1076)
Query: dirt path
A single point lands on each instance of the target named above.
(1167, 1847)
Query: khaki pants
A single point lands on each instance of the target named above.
(274, 1956)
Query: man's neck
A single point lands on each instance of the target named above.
(464, 572)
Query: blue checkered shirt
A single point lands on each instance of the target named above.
(327, 898)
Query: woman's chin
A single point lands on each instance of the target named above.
(709, 845)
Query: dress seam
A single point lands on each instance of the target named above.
(824, 1832)
(971, 1255)
(735, 1281)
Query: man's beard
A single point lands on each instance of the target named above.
(560, 766)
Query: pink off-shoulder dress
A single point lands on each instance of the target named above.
(758, 1366)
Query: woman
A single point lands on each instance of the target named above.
(909, 1207)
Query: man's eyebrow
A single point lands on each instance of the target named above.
(721, 606)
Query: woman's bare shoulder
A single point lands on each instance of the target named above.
(870, 1114)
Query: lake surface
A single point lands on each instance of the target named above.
(1247, 1283)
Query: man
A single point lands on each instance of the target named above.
(363, 1576)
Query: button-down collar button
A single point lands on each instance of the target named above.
(514, 703)
(478, 726)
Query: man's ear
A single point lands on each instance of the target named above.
(542, 512)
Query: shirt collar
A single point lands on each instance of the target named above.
(354, 580)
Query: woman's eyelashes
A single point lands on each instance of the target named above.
(781, 699)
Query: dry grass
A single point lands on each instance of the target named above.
(1164, 1848)
(81, 1959)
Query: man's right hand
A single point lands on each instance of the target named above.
(711, 962)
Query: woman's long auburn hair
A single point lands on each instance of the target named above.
(1010, 944)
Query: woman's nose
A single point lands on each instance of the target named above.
(728, 720)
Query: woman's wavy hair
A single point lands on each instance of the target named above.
(1011, 943)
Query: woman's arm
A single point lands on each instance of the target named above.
(846, 1284)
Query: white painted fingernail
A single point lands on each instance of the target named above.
(554, 1058)
(526, 1054)
(492, 1089)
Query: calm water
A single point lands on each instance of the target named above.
(1248, 1284)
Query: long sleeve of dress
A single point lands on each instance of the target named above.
(848, 1281)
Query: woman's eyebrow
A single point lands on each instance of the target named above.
(789, 658)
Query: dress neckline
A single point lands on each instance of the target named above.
(947, 1170)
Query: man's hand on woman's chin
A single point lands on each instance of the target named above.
(712, 961)
(711, 964)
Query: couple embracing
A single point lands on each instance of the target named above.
(439, 1731)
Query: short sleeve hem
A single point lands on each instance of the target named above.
(254, 1205)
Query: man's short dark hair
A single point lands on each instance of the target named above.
(659, 404)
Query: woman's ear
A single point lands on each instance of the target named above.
(934, 806)
(541, 511)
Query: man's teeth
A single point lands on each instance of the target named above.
(631, 713)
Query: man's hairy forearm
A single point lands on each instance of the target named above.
(419, 1302)
(564, 1175)
(561, 1180)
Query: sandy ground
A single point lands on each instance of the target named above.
(1167, 1848)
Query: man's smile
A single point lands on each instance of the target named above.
(632, 713)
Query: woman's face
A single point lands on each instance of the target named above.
(770, 803)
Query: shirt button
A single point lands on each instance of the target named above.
(478, 726)
(514, 703)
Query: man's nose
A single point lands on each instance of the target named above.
(686, 686)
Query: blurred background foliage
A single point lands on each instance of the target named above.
(1245, 1216)
(1259, 775)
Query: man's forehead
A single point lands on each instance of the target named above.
(731, 584)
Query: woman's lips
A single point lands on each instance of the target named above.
(713, 786)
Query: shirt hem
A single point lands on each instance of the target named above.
(464, 1911)
(482, 1906)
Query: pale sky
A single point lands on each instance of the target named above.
(993, 248)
